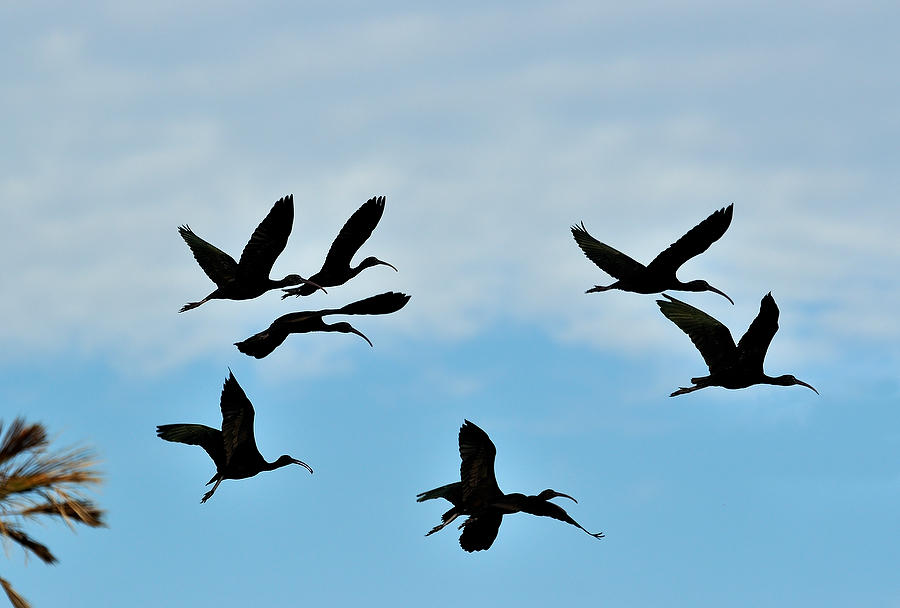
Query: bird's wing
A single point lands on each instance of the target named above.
(696, 241)
(711, 338)
(611, 261)
(381, 304)
(237, 421)
(218, 265)
(755, 342)
(208, 438)
(477, 452)
(479, 531)
(355, 232)
(269, 239)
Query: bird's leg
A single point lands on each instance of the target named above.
(191, 305)
(210, 493)
(684, 390)
(441, 526)
(597, 288)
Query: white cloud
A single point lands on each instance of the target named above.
(486, 162)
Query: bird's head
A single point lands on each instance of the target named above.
(701, 285)
(349, 329)
(371, 261)
(296, 279)
(548, 494)
(285, 460)
(789, 380)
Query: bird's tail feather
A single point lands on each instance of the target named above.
(381, 304)
(261, 344)
(442, 492)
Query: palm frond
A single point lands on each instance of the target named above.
(20, 439)
(28, 543)
(39, 470)
(83, 511)
(15, 599)
(36, 482)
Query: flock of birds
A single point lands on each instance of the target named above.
(730, 366)
(233, 449)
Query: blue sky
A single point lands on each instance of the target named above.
(491, 128)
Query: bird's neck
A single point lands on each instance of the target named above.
(271, 466)
(355, 270)
(280, 283)
(510, 503)
(778, 381)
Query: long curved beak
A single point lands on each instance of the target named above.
(809, 386)
(361, 335)
(560, 494)
(388, 264)
(308, 282)
(302, 464)
(721, 293)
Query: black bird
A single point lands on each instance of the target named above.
(268, 340)
(336, 269)
(248, 278)
(233, 449)
(658, 275)
(478, 496)
(730, 366)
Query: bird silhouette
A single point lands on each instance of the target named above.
(478, 495)
(658, 275)
(263, 343)
(233, 449)
(730, 366)
(336, 269)
(248, 278)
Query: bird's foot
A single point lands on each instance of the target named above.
(598, 288)
(206, 496)
(683, 390)
(442, 524)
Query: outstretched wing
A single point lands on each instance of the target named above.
(477, 451)
(755, 342)
(237, 422)
(479, 531)
(355, 232)
(208, 438)
(696, 241)
(711, 338)
(268, 240)
(611, 261)
(218, 265)
(381, 304)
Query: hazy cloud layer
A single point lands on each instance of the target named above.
(487, 148)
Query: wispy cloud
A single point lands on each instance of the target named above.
(485, 169)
